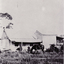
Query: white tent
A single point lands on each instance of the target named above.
(5, 43)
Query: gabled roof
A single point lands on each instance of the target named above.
(39, 33)
(20, 37)
(14, 33)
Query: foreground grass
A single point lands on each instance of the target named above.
(25, 58)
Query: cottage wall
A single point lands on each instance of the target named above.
(47, 40)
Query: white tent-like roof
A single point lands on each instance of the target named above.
(14, 36)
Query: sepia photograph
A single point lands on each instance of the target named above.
(31, 32)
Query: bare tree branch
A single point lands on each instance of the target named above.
(9, 25)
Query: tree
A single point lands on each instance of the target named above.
(9, 17)
(9, 26)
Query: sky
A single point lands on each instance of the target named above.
(45, 16)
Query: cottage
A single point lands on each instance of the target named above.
(48, 39)
(25, 43)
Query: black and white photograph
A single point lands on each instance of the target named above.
(31, 32)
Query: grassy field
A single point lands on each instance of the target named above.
(25, 58)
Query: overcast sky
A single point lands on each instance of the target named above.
(31, 15)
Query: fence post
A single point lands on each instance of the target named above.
(21, 46)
